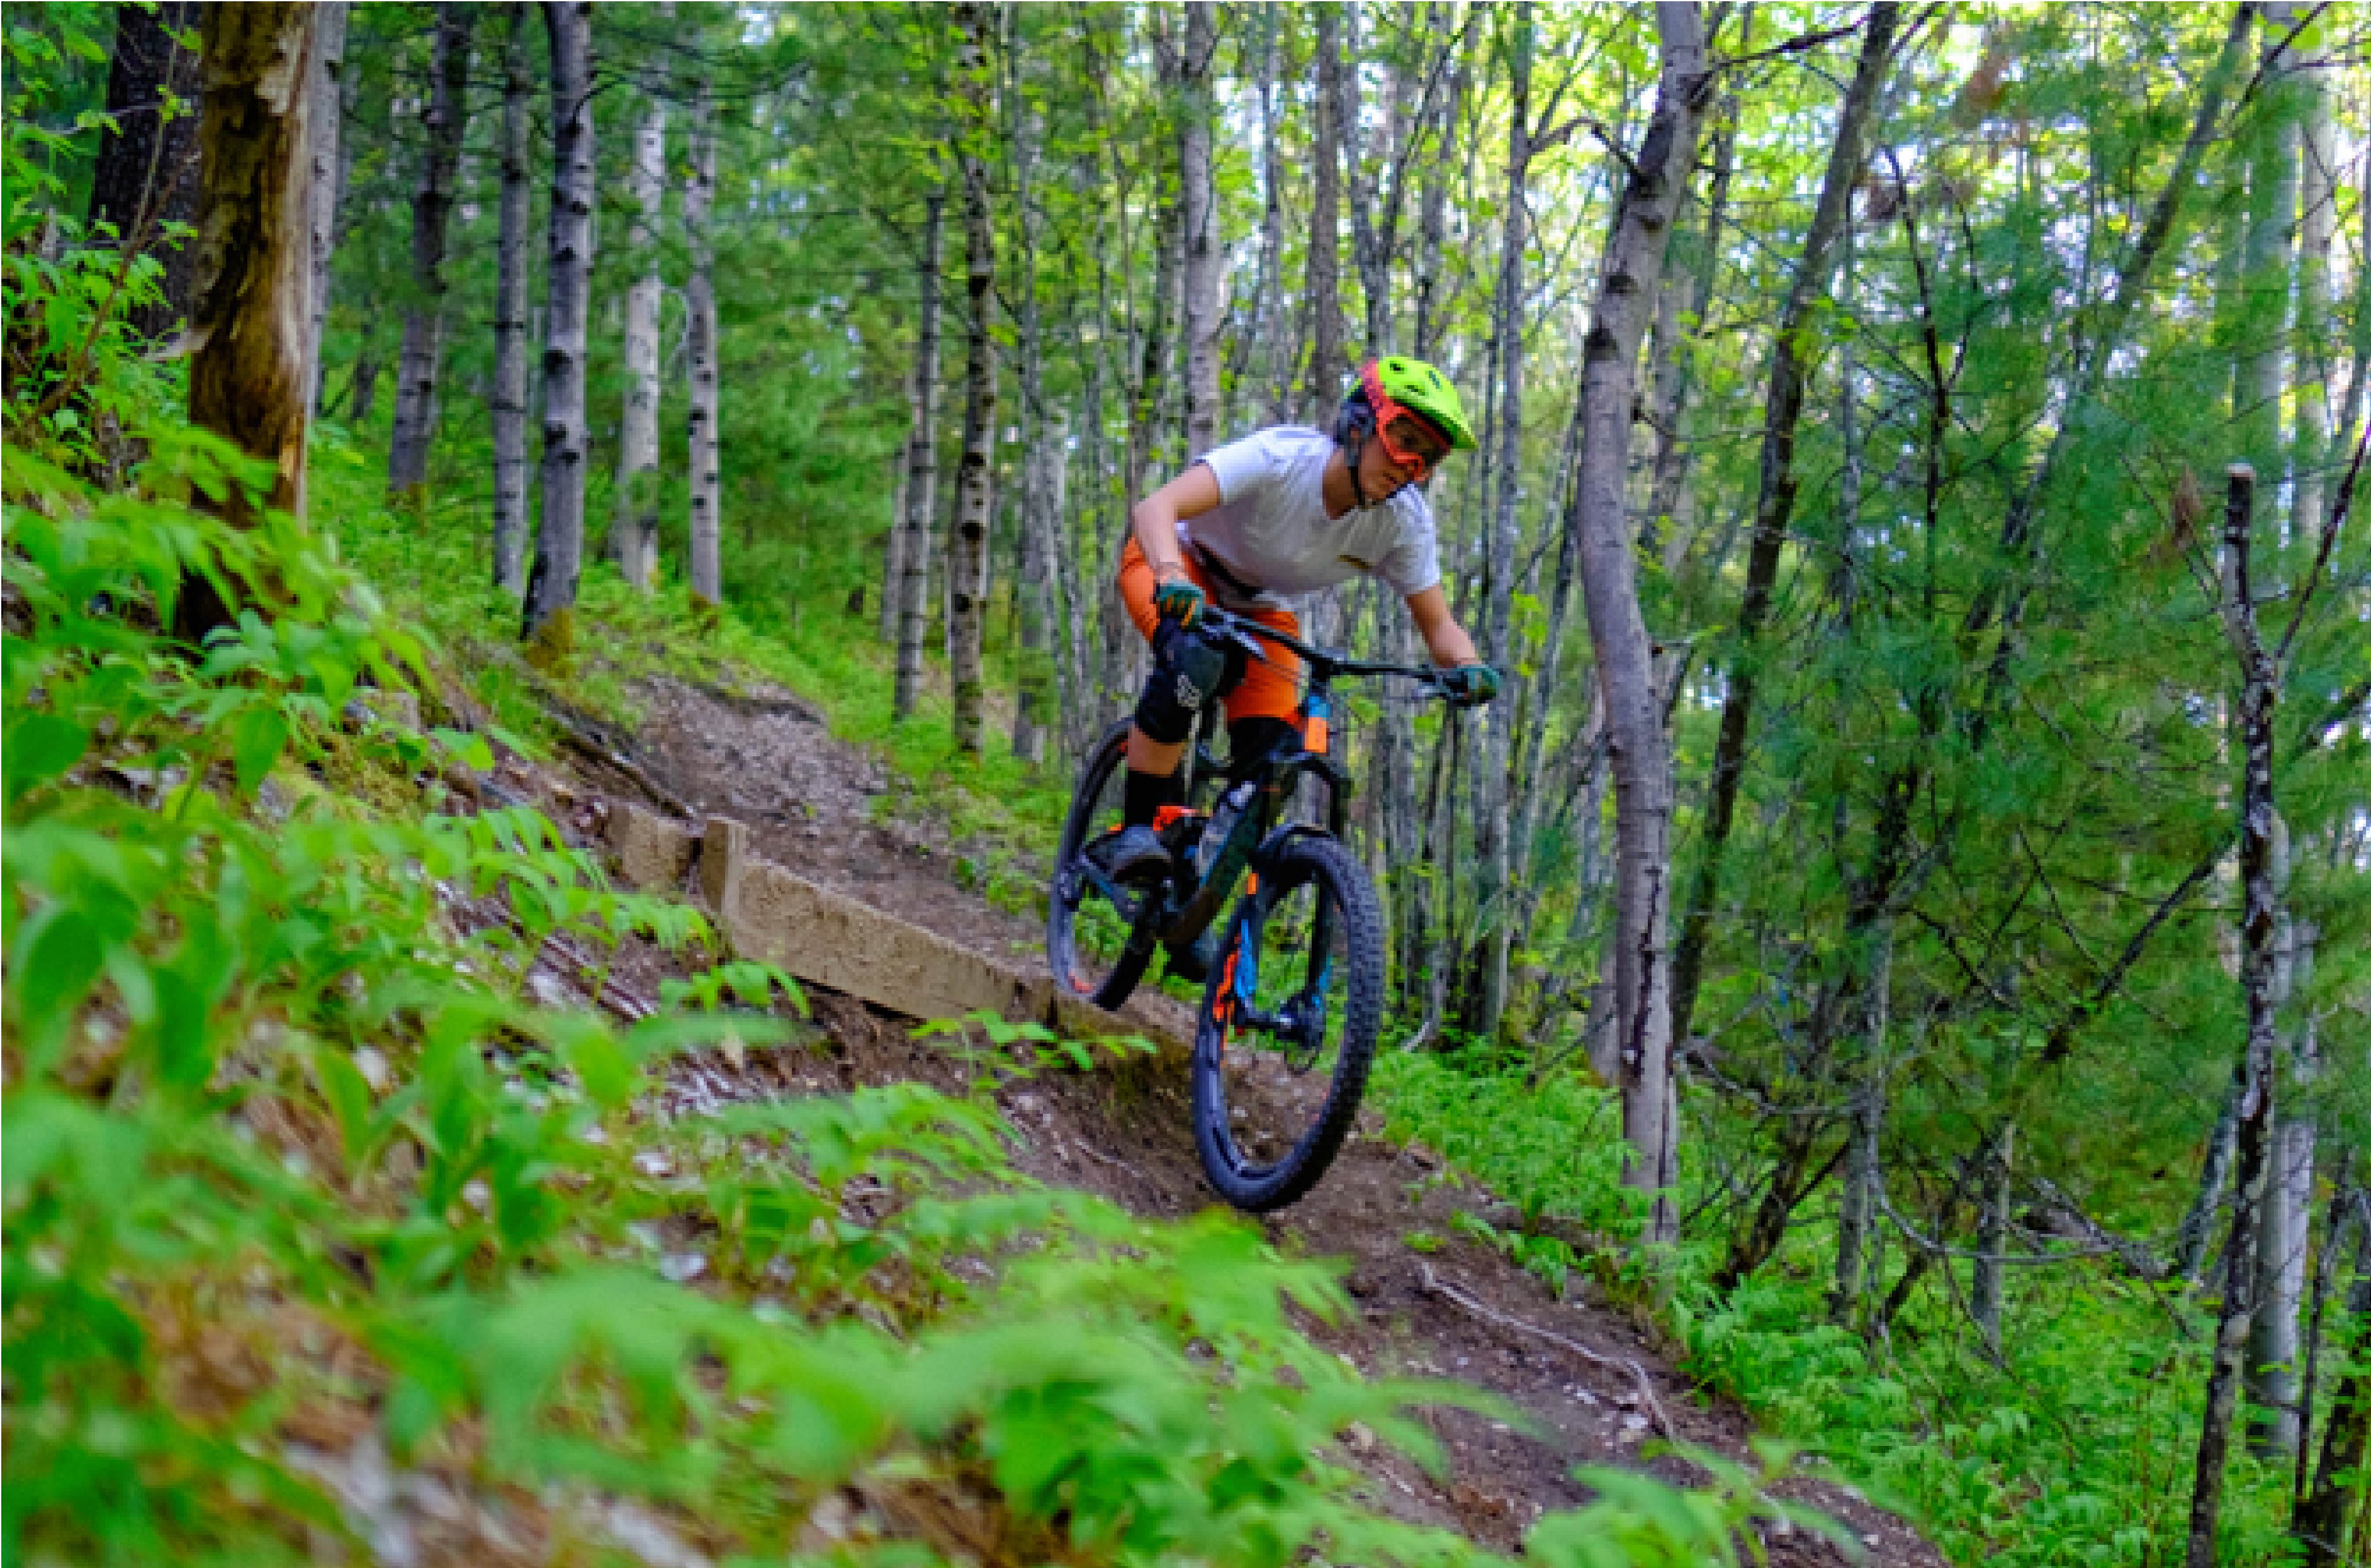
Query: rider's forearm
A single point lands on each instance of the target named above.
(1154, 519)
(1443, 636)
(1449, 646)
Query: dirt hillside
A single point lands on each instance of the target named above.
(1595, 1387)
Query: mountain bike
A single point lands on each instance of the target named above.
(1293, 998)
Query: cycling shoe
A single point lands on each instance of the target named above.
(1193, 962)
(1132, 855)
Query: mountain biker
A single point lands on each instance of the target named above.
(1283, 512)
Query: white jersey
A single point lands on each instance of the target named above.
(1271, 534)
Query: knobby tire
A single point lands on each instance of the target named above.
(1061, 920)
(1343, 883)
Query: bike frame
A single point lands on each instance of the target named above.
(1180, 913)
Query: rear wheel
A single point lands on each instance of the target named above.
(1091, 938)
(1289, 1024)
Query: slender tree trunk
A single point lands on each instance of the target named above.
(559, 536)
(2323, 1519)
(2273, 1351)
(634, 516)
(432, 208)
(2318, 223)
(2343, 1199)
(1856, 1227)
(974, 473)
(701, 349)
(1144, 403)
(1322, 289)
(329, 165)
(364, 380)
(146, 175)
(510, 409)
(1669, 522)
(1432, 215)
(1043, 449)
(349, 84)
(2269, 265)
(1264, 344)
(251, 314)
(913, 586)
(1491, 824)
(1626, 659)
(1199, 194)
(2268, 1381)
(2197, 1227)
(1992, 1236)
(1775, 504)
(2258, 818)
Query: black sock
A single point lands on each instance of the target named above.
(1147, 793)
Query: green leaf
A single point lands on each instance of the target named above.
(60, 954)
(40, 746)
(255, 742)
(349, 1095)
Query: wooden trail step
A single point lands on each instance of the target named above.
(823, 937)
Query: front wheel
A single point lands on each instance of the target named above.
(1289, 1024)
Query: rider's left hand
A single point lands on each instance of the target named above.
(1470, 685)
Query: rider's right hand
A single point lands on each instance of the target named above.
(1178, 598)
(1470, 685)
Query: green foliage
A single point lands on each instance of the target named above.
(2073, 1448)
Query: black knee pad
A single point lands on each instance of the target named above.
(1249, 740)
(1188, 673)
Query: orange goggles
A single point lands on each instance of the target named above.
(1409, 439)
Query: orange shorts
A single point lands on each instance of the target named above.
(1271, 690)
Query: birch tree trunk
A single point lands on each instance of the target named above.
(700, 346)
(327, 172)
(2270, 264)
(1775, 502)
(2259, 694)
(1492, 891)
(1035, 709)
(1432, 215)
(146, 173)
(1625, 658)
(432, 208)
(1198, 203)
(251, 316)
(559, 538)
(1262, 345)
(2268, 1381)
(1152, 373)
(1668, 523)
(2318, 223)
(2272, 1348)
(975, 472)
(913, 586)
(634, 518)
(510, 411)
(1322, 286)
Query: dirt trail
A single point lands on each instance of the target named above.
(1594, 1388)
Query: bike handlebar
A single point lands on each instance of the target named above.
(1323, 662)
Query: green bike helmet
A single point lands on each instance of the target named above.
(1423, 390)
